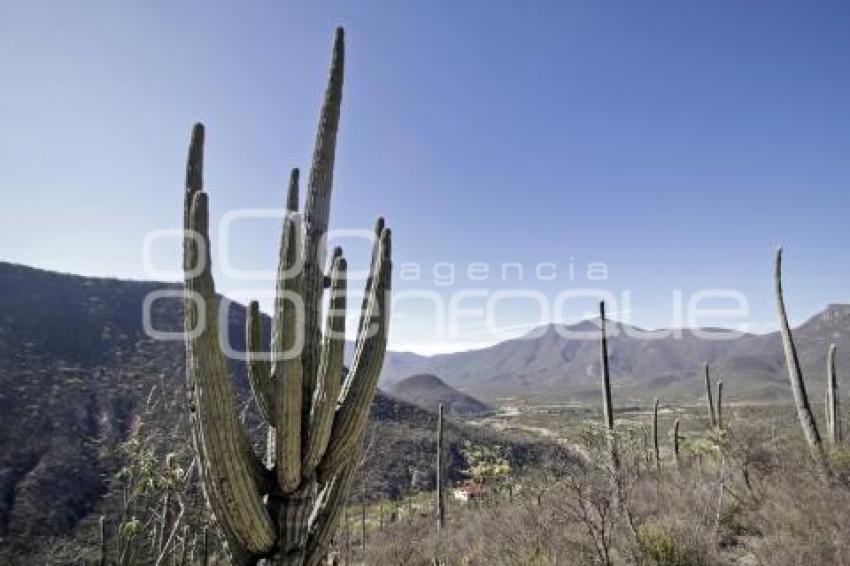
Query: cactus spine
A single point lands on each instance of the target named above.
(708, 398)
(285, 513)
(833, 416)
(655, 447)
(795, 374)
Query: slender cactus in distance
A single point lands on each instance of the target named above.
(708, 398)
(833, 415)
(363, 518)
(205, 547)
(284, 511)
(795, 374)
(655, 447)
(184, 546)
(607, 403)
(720, 404)
(164, 521)
(347, 534)
(102, 531)
(440, 502)
(676, 444)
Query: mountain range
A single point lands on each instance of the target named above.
(548, 360)
(551, 360)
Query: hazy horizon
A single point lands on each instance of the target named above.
(520, 331)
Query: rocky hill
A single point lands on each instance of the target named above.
(429, 391)
(77, 377)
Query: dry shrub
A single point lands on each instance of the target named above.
(747, 495)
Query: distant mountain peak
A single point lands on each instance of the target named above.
(564, 359)
(424, 380)
(429, 391)
(588, 326)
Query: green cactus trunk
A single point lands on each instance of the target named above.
(284, 511)
(720, 405)
(205, 547)
(795, 373)
(833, 414)
(676, 445)
(608, 410)
(708, 398)
(655, 446)
(102, 534)
(440, 502)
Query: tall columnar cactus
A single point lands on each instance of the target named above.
(708, 398)
(655, 447)
(102, 535)
(795, 374)
(833, 414)
(440, 503)
(607, 403)
(284, 511)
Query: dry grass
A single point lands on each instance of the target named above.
(744, 496)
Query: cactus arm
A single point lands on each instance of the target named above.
(359, 387)
(709, 399)
(286, 349)
(326, 513)
(330, 368)
(258, 370)
(320, 183)
(379, 228)
(317, 212)
(292, 191)
(226, 460)
(795, 374)
(282, 269)
(194, 180)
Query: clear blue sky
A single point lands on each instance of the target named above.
(677, 142)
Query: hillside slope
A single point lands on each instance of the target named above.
(429, 391)
(77, 372)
